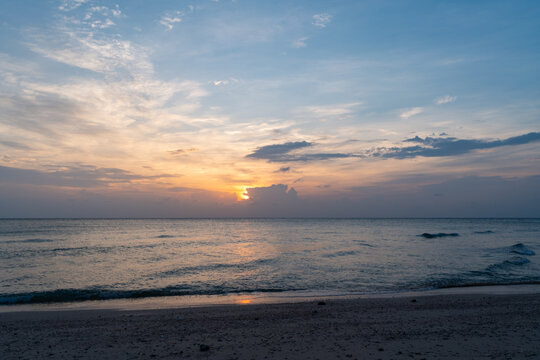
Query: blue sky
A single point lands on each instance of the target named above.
(199, 107)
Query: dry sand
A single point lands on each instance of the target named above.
(455, 326)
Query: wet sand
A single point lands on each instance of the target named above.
(450, 326)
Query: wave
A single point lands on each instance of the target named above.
(76, 295)
(507, 265)
(458, 283)
(438, 235)
(213, 267)
(484, 232)
(168, 236)
(37, 240)
(517, 260)
(521, 249)
(340, 253)
(71, 251)
(506, 272)
(363, 243)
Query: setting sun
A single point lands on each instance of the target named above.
(242, 193)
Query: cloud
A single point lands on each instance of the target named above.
(445, 99)
(326, 111)
(462, 197)
(15, 145)
(68, 5)
(130, 95)
(271, 194)
(450, 146)
(411, 112)
(471, 196)
(182, 151)
(300, 42)
(321, 20)
(169, 19)
(281, 153)
(276, 151)
(225, 82)
(101, 55)
(70, 176)
(284, 169)
(277, 200)
(98, 17)
(94, 17)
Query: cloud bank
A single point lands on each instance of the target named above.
(450, 146)
(461, 197)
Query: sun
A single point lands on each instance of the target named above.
(243, 194)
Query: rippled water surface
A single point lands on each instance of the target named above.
(67, 260)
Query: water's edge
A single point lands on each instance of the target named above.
(260, 298)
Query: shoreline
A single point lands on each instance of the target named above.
(260, 298)
(422, 326)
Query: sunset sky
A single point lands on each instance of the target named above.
(269, 108)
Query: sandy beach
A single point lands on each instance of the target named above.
(449, 326)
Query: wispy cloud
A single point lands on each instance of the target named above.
(411, 112)
(89, 52)
(99, 17)
(450, 146)
(119, 97)
(321, 20)
(326, 111)
(445, 99)
(68, 5)
(92, 17)
(225, 82)
(300, 42)
(171, 18)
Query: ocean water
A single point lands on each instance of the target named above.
(44, 260)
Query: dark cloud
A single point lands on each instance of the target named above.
(277, 200)
(70, 176)
(271, 194)
(284, 169)
(450, 146)
(281, 153)
(182, 151)
(277, 151)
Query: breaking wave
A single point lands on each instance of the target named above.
(37, 240)
(506, 272)
(73, 295)
(438, 235)
(521, 249)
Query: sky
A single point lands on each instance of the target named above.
(208, 108)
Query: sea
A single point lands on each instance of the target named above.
(73, 260)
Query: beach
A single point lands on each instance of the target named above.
(452, 325)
